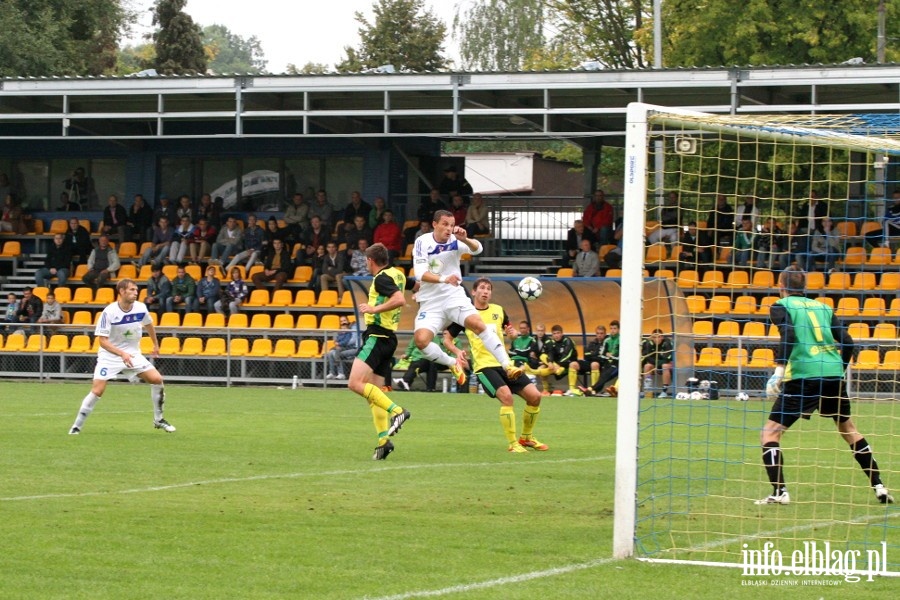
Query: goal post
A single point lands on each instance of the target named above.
(687, 469)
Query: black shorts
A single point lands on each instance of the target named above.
(584, 366)
(377, 351)
(494, 378)
(800, 398)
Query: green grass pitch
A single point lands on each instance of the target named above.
(272, 493)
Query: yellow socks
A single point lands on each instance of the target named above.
(508, 422)
(529, 419)
(595, 376)
(374, 396)
(573, 378)
(380, 418)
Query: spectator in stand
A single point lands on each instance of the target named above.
(66, 204)
(184, 291)
(667, 231)
(389, 234)
(811, 214)
(185, 209)
(890, 226)
(458, 208)
(324, 210)
(30, 308)
(317, 262)
(159, 289)
(359, 230)
(208, 290)
(576, 234)
(228, 243)
(181, 241)
(12, 309)
(771, 246)
(207, 210)
(161, 243)
(114, 219)
(165, 209)
(695, 249)
(332, 269)
(13, 218)
(277, 266)
(825, 245)
(430, 205)
(202, 238)
(56, 264)
(613, 258)
(720, 224)
(296, 218)
(233, 295)
(377, 212)
(452, 184)
(587, 263)
(743, 242)
(254, 236)
(139, 222)
(798, 244)
(424, 228)
(358, 264)
(102, 264)
(78, 239)
(476, 222)
(80, 188)
(357, 207)
(274, 232)
(599, 217)
(52, 311)
(346, 347)
(313, 238)
(747, 209)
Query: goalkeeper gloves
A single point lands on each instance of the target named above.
(773, 386)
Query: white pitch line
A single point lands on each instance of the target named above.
(339, 472)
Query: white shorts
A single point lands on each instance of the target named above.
(436, 314)
(107, 369)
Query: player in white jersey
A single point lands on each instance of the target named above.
(119, 330)
(442, 300)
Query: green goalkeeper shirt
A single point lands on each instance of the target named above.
(809, 333)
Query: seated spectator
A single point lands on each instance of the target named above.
(599, 217)
(667, 231)
(161, 240)
(13, 218)
(376, 215)
(576, 234)
(274, 232)
(254, 236)
(358, 259)
(52, 312)
(357, 207)
(102, 264)
(345, 348)
(771, 246)
(165, 209)
(587, 263)
(476, 222)
(181, 241)
(159, 289)
(890, 225)
(695, 247)
(613, 258)
(66, 204)
(296, 217)
(743, 242)
(78, 239)
(206, 209)
(332, 269)
(427, 207)
(229, 241)
(10, 315)
(233, 295)
(359, 229)
(114, 219)
(139, 222)
(202, 238)
(424, 227)
(825, 245)
(277, 266)
(208, 291)
(389, 234)
(313, 238)
(56, 264)
(184, 291)
(458, 208)
(323, 209)
(30, 308)
(185, 209)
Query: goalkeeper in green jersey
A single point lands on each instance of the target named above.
(813, 352)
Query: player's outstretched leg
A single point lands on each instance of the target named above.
(774, 463)
(87, 407)
(158, 395)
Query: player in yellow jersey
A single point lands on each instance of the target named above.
(372, 365)
(493, 377)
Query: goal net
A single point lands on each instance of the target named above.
(715, 208)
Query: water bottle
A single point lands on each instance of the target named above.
(648, 383)
(473, 384)
(294, 383)
(453, 387)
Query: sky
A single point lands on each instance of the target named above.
(293, 32)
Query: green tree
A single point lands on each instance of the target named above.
(499, 35)
(307, 69)
(403, 34)
(774, 33)
(132, 59)
(179, 48)
(60, 37)
(603, 30)
(231, 53)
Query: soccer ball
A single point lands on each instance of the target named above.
(742, 397)
(682, 396)
(530, 288)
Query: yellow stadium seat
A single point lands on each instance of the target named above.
(765, 304)
(254, 270)
(845, 229)
(729, 328)
(169, 345)
(815, 280)
(170, 319)
(346, 300)
(664, 274)
(847, 307)
(262, 347)
(894, 311)
(214, 347)
(305, 298)
(58, 226)
(15, 342)
(284, 349)
(762, 358)
(146, 345)
(238, 347)
(261, 321)
(709, 357)
(858, 331)
(144, 274)
(738, 279)
(78, 275)
(702, 328)
(170, 271)
(891, 361)
(884, 331)
(41, 292)
(58, 343)
(763, 280)
(873, 307)
(258, 298)
(890, 281)
(36, 342)
(719, 305)
(308, 349)
(238, 321)
(854, 256)
(80, 343)
(604, 250)
(330, 322)
(63, 295)
(127, 250)
(283, 321)
(95, 346)
(192, 346)
(216, 320)
(82, 317)
(104, 295)
(863, 281)
(83, 295)
(744, 305)
(656, 253)
(688, 278)
(11, 249)
(838, 281)
(302, 274)
(193, 319)
(307, 321)
(736, 357)
(326, 299)
(194, 271)
(127, 272)
(696, 304)
(281, 298)
(773, 331)
(712, 280)
(826, 300)
(867, 359)
(154, 318)
(879, 257)
(754, 329)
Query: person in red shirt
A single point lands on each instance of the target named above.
(390, 234)
(598, 218)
